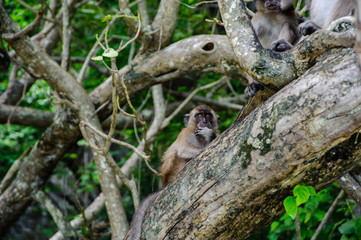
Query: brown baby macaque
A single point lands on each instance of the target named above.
(276, 24)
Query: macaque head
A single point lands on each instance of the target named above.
(200, 117)
(274, 5)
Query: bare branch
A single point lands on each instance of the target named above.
(12, 37)
(351, 186)
(327, 215)
(273, 69)
(130, 184)
(25, 116)
(358, 32)
(170, 117)
(65, 54)
(215, 20)
(197, 4)
(212, 102)
(121, 143)
(64, 226)
(143, 11)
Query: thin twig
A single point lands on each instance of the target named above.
(121, 143)
(215, 20)
(100, 108)
(66, 102)
(298, 226)
(58, 217)
(65, 54)
(113, 116)
(135, 115)
(91, 52)
(298, 6)
(303, 10)
(220, 103)
(11, 37)
(196, 5)
(327, 215)
(130, 184)
(131, 40)
(168, 119)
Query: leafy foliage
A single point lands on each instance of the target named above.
(78, 172)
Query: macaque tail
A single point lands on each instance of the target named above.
(136, 226)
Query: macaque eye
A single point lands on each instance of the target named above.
(208, 115)
(199, 115)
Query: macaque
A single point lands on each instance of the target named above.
(201, 128)
(138, 218)
(276, 24)
(323, 12)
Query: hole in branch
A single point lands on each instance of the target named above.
(208, 46)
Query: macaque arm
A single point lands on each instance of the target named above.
(287, 33)
(285, 39)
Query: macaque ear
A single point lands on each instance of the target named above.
(186, 119)
(217, 119)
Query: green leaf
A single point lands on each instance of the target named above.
(274, 226)
(311, 191)
(97, 58)
(358, 227)
(301, 193)
(290, 205)
(344, 237)
(348, 227)
(110, 53)
(307, 217)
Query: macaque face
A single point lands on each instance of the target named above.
(204, 119)
(201, 117)
(273, 6)
(268, 5)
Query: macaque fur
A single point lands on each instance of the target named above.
(201, 128)
(323, 12)
(276, 24)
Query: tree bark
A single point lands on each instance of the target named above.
(237, 185)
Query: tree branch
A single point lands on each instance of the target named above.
(273, 69)
(235, 186)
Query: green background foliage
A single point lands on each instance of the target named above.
(87, 23)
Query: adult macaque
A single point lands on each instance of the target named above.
(276, 24)
(323, 12)
(201, 128)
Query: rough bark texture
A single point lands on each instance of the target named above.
(237, 185)
(25, 116)
(140, 75)
(274, 69)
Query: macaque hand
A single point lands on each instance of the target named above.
(281, 45)
(206, 133)
(253, 88)
(308, 27)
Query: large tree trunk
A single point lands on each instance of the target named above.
(237, 185)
